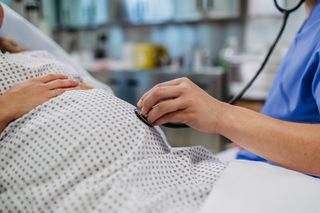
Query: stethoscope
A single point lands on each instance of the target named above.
(236, 98)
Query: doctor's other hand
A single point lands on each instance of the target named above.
(25, 96)
(182, 101)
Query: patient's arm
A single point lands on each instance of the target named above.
(26, 96)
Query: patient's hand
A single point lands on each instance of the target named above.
(24, 97)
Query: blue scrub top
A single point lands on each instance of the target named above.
(295, 94)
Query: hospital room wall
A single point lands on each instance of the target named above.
(254, 34)
(178, 39)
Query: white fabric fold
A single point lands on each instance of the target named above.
(251, 187)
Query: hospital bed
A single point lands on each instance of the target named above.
(245, 187)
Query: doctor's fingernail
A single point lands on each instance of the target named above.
(150, 121)
(139, 103)
(143, 111)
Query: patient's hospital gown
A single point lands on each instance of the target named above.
(86, 151)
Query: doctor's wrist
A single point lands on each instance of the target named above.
(215, 120)
(224, 118)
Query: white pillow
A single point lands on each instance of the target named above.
(251, 187)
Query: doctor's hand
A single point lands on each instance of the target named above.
(182, 101)
(25, 96)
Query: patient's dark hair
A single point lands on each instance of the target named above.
(7, 45)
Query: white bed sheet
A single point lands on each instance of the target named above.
(251, 187)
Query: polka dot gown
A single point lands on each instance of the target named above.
(86, 151)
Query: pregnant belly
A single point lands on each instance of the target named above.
(80, 132)
(87, 151)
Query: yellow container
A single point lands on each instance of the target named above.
(149, 56)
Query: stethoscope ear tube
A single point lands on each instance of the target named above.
(282, 10)
(236, 98)
(286, 13)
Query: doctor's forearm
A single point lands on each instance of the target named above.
(292, 145)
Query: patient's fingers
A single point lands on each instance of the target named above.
(57, 92)
(61, 83)
(50, 77)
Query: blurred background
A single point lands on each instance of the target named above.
(132, 45)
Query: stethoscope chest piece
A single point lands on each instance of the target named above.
(143, 118)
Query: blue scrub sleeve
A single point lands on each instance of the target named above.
(247, 155)
(316, 82)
